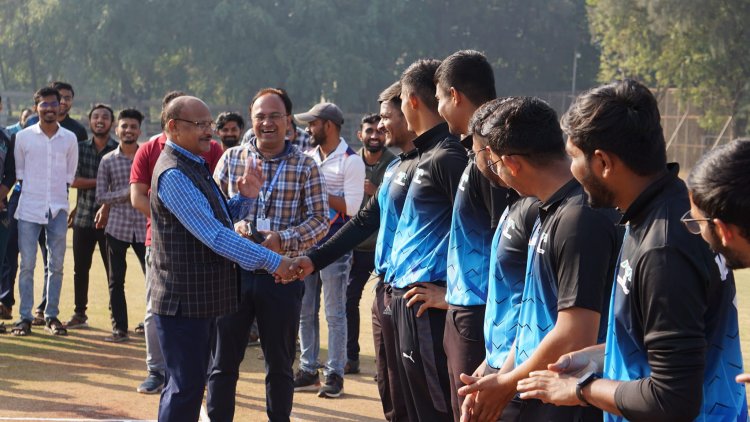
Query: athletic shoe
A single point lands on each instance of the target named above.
(351, 367)
(118, 336)
(153, 383)
(333, 387)
(77, 321)
(305, 381)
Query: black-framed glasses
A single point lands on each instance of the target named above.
(492, 165)
(204, 126)
(692, 224)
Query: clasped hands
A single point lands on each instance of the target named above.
(292, 269)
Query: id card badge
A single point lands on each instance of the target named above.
(263, 224)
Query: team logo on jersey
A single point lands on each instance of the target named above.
(464, 180)
(417, 174)
(721, 262)
(543, 240)
(626, 279)
(401, 178)
(507, 227)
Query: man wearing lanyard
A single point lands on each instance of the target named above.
(289, 216)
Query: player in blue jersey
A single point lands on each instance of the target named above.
(672, 350)
(719, 187)
(568, 273)
(418, 267)
(380, 215)
(464, 81)
(508, 253)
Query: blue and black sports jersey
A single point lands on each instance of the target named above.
(570, 265)
(507, 273)
(471, 237)
(420, 245)
(673, 318)
(391, 196)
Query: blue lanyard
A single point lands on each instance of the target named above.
(264, 197)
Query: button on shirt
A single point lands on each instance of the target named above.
(125, 223)
(47, 166)
(88, 165)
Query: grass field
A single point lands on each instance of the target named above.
(82, 377)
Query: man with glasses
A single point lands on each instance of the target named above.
(289, 214)
(140, 187)
(46, 160)
(570, 264)
(672, 350)
(193, 274)
(344, 174)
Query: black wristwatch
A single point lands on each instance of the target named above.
(585, 380)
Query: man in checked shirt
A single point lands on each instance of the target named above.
(290, 215)
(126, 226)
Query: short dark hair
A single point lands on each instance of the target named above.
(229, 116)
(622, 118)
(419, 79)
(168, 97)
(392, 94)
(45, 92)
(371, 118)
(524, 126)
(469, 72)
(276, 91)
(60, 85)
(131, 113)
(104, 106)
(720, 184)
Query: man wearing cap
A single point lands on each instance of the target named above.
(344, 174)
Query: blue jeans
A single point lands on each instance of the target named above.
(333, 279)
(28, 235)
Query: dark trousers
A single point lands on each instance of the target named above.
(422, 365)
(277, 310)
(9, 268)
(362, 265)
(84, 241)
(389, 384)
(118, 266)
(463, 341)
(186, 345)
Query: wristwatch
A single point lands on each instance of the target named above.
(583, 381)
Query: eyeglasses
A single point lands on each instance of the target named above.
(492, 165)
(51, 104)
(274, 117)
(204, 126)
(691, 224)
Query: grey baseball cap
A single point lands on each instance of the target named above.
(325, 111)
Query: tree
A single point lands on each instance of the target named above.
(702, 48)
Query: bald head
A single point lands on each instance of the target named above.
(189, 123)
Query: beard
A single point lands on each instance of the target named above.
(317, 139)
(733, 259)
(599, 195)
(230, 141)
(374, 148)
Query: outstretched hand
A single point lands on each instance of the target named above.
(299, 268)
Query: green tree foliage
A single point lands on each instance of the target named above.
(342, 50)
(701, 47)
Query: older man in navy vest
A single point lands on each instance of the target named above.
(193, 274)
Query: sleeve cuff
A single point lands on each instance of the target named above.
(289, 240)
(272, 262)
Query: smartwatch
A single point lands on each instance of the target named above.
(585, 380)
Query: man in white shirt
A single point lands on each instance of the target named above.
(344, 173)
(46, 159)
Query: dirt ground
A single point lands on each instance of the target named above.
(82, 377)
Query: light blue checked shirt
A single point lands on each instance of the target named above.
(192, 209)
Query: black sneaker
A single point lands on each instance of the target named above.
(351, 367)
(118, 336)
(153, 383)
(305, 381)
(333, 387)
(77, 321)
